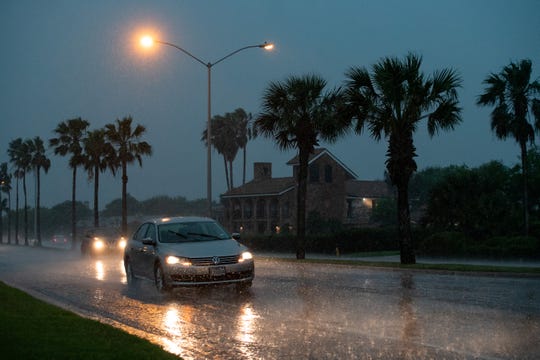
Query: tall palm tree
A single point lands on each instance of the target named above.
(245, 131)
(4, 183)
(511, 92)
(69, 142)
(223, 140)
(6, 187)
(19, 157)
(128, 147)
(391, 101)
(38, 160)
(100, 156)
(296, 113)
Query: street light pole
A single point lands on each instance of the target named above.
(148, 41)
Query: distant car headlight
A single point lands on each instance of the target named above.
(98, 244)
(246, 255)
(173, 260)
(122, 243)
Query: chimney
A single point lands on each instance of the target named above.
(262, 171)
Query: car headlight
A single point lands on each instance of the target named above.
(122, 243)
(246, 255)
(98, 244)
(173, 260)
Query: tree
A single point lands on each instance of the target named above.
(69, 142)
(296, 113)
(5, 180)
(38, 160)
(244, 132)
(128, 147)
(512, 95)
(99, 156)
(390, 102)
(20, 158)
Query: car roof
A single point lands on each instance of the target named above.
(180, 219)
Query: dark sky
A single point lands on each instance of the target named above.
(65, 59)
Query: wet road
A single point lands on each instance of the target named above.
(298, 311)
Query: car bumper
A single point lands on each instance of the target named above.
(178, 275)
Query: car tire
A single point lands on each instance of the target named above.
(130, 277)
(159, 279)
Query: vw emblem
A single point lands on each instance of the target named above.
(216, 260)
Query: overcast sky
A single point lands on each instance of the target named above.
(72, 58)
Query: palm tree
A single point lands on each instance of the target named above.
(4, 183)
(223, 140)
(20, 158)
(38, 160)
(391, 101)
(128, 147)
(244, 132)
(6, 187)
(69, 142)
(296, 113)
(512, 94)
(100, 155)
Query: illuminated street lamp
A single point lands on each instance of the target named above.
(148, 41)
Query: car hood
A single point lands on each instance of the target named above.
(194, 249)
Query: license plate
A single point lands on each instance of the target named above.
(217, 271)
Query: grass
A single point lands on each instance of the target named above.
(33, 329)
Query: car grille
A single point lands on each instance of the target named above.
(214, 260)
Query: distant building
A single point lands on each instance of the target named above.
(267, 205)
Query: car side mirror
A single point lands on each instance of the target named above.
(236, 236)
(149, 241)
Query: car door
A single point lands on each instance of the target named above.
(148, 252)
(135, 249)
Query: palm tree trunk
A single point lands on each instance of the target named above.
(124, 198)
(25, 211)
(73, 210)
(404, 225)
(17, 213)
(303, 157)
(38, 195)
(226, 173)
(231, 173)
(244, 165)
(96, 189)
(525, 175)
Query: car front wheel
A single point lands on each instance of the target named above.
(131, 279)
(159, 277)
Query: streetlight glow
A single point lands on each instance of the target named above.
(147, 41)
(268, 46)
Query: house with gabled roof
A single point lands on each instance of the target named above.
(267, 205)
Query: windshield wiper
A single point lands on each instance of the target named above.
(177, 234)
(214, 237)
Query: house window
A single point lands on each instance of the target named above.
(314, 173)
(236, 209)
(261, 209)
(350, 208)
(248, 209)
(285, 210)
(274, 209)
(328, 173)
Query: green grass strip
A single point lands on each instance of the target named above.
(33, 329)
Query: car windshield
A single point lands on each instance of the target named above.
(191, 231)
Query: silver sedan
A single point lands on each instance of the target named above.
(187, 251)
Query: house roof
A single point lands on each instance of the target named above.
(264, 187)
(319, 153)
(368, 189)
